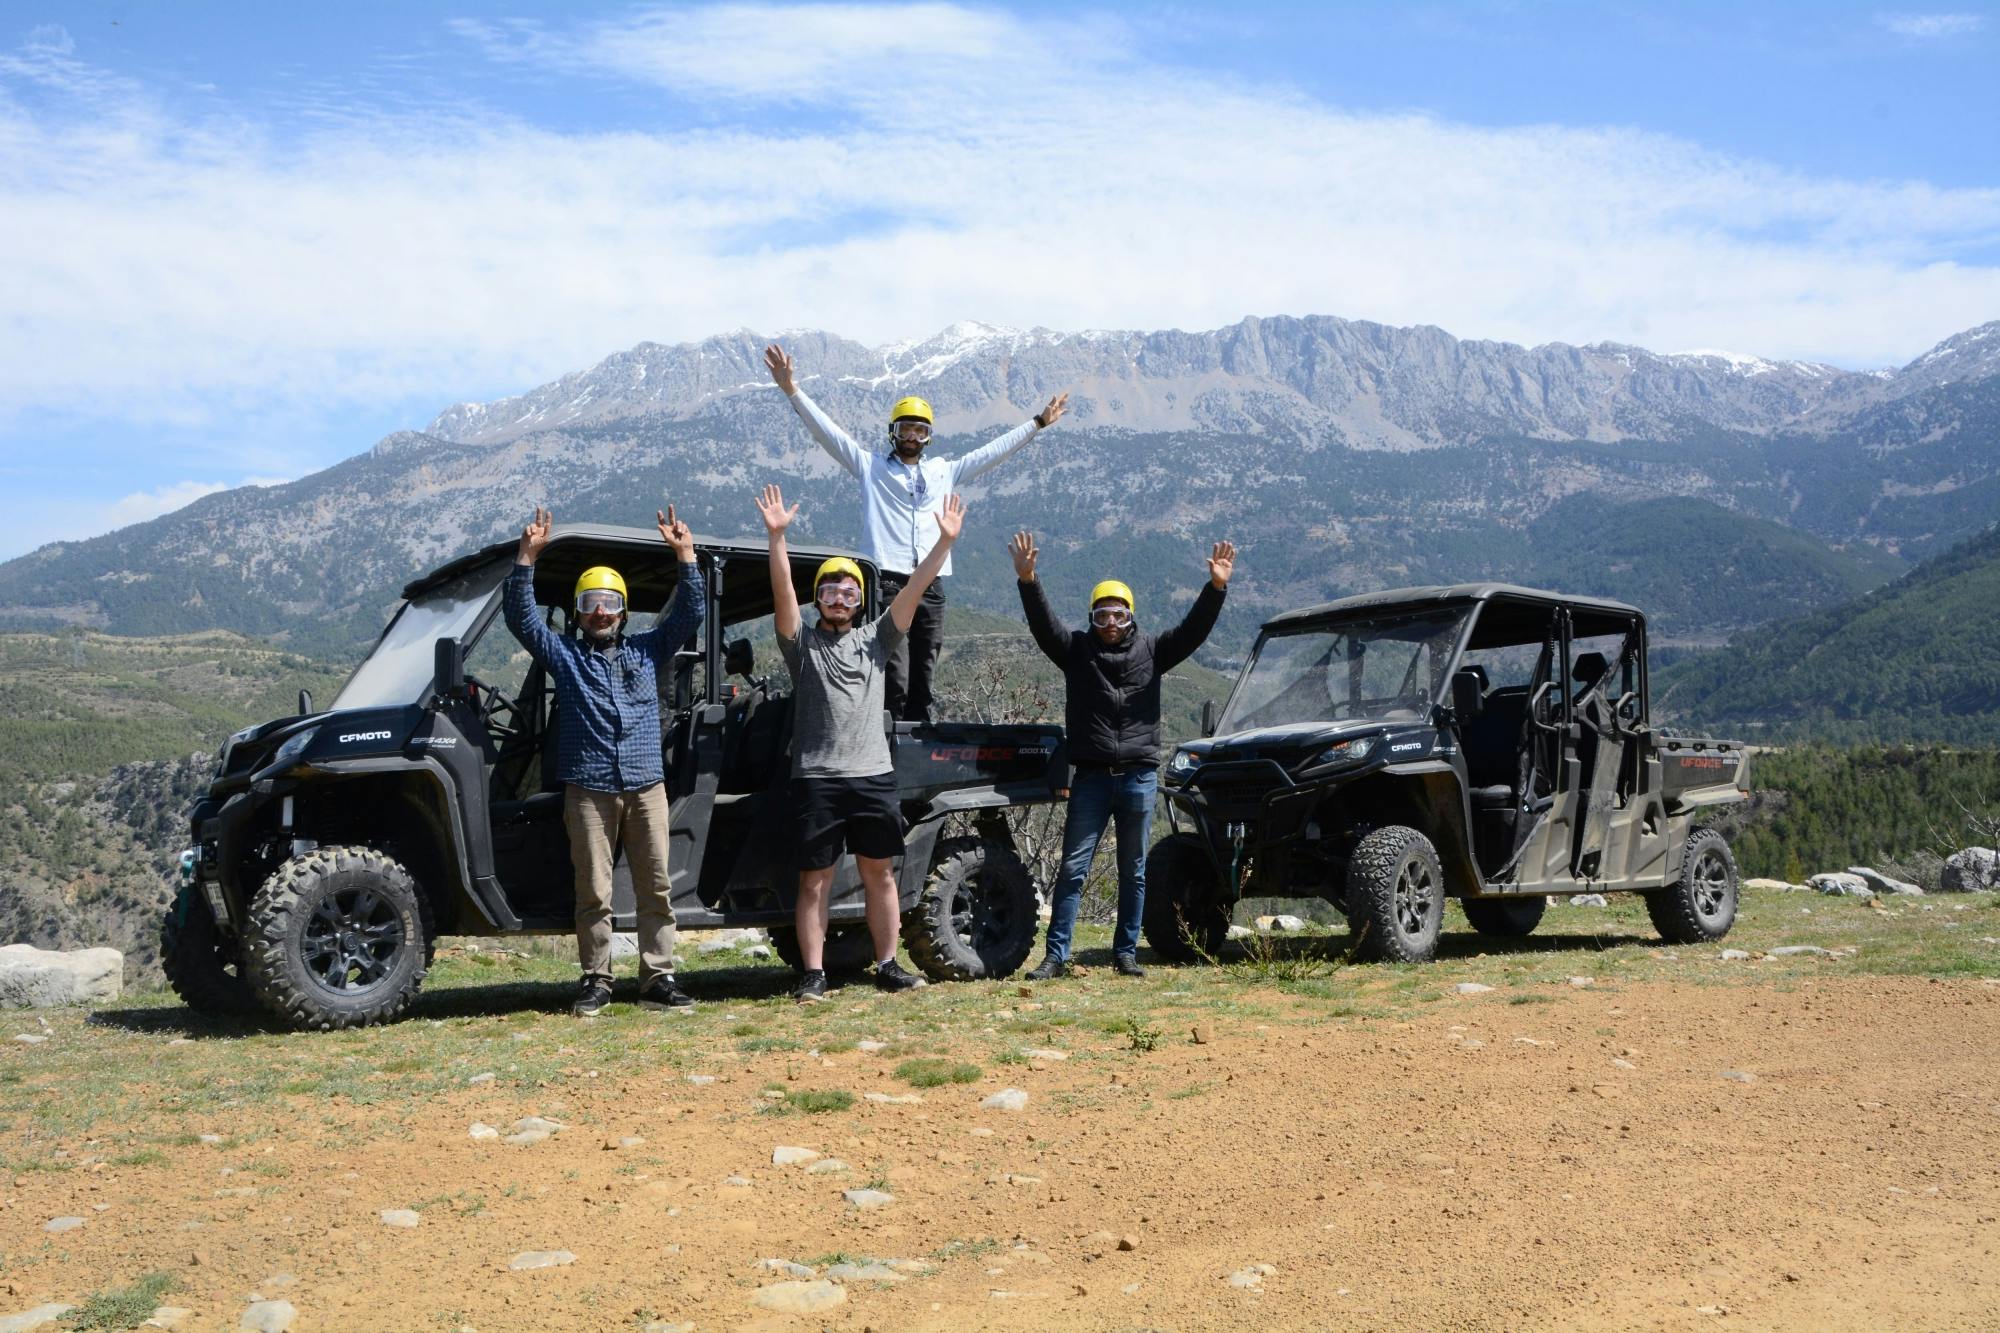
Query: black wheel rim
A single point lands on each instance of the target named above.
(352, 941)
(1711, 885)
(976, 919)
(1416, 893)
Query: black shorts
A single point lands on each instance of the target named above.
(860, 815)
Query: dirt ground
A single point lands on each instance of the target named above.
(1817, 1155)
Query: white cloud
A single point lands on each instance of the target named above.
(954, 163)
(1931, 26)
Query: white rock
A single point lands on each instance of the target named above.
(31, 1038)
(1794, 950)
(404, 1218)
(656, 1326)
(1970, 870)
(868, 1271)
(533, 1259)
(624, 944)
(701, 1080)
(524, 1137)
(168, 1316)
(1280, 923)
(1840, 885)
(1045, 1053)
(39, 1317)
(799, 1297)
(783, 1156)
(1881, 883)
(534, 1122)
(827, 1166)
(1471, 988)
(480, 1131)
(1007, 1099)
(737, 1182)
(1580, 982)
(758, 951)
(268, 1317)
(1239, 933)
(1774, 886)
(871, 1046)
(787, 1267)
(32, 978)
(1738, 1076)
(480, 1078)
(1588, 900)
(62, 1224)
(868, 1198)
(1734, 956)
(892, 1099)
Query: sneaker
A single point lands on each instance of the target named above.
(591, 997)
(1049, 969)
(811, 988)
(891, 976)
(1127, 965)
(663, 993)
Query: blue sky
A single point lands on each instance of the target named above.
(245, 241)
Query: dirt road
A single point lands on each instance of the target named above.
(1820, 1154)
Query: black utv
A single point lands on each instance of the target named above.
(1482, 742)
(334, 847)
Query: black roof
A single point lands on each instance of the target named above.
(1418, 599)
(644, 543)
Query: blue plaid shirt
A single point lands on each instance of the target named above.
(609, 700)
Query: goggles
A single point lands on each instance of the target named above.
(910, 432)
(838, 594)
(601, 599)
(1110, 615)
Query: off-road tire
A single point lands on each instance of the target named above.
(1395, 896)
(208, 976)
(1701, 905)
(1185, 919)
(848, 949)
(976, 915)
(347, 913)
(1505, 918)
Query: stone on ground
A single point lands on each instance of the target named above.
(1774, 886)
(867, 1270)
(268, 1317)
(865, 1198)
(1970, 870)
(39, 1317)
(62, 1224)
(403, 1218)
(533, 1259)
(827, 1166)
(32, 978)
(783, 1156)
(482, 1131)
(1471, 988)
(787, 1267)
(799, 1297)
(1839, 884)
(1882, 883)
(1589, 900)
(1007, 1099)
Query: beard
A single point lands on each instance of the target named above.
(601, 636)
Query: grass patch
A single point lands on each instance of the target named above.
(1527, 999)
(1142, 1039)
(141, 1157)
(754, 1045)
(930, 1072)
(121, 1307)
(820, 1102)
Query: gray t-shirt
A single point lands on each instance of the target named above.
(837, 683)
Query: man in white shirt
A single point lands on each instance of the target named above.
(901, 494)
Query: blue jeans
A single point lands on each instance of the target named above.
(1095, 798)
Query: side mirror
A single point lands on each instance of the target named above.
(305, 702)
(1208, 717)
(737, 659)
(448, 669)
(1467, 699)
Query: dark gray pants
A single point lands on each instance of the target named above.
(906, 692)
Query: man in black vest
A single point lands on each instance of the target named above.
(1112, 673)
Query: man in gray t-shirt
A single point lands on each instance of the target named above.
(843, 777)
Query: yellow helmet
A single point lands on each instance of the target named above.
(839, 564)
(912, 408)
(598, 576)
(1113, 588)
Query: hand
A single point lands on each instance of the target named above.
(535, 536)
(1022, 548)
(951, 518)
(1049, 415)
(771, 504)
(780, 366)
(676, 534)
(1221, 564)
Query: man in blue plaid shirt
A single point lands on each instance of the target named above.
(609, 756)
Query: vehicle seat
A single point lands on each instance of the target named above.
(1491, 743)
(552, 748)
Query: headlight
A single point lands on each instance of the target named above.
(294, 746)
(1182, 766)
(1346, 752)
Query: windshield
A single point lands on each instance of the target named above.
(1386, 667)
(399, 670)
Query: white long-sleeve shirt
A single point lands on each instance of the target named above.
(900, 501)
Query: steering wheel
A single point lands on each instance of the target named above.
(492, 703)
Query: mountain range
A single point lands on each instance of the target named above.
(1719, 489)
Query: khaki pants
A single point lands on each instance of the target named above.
(597, 821)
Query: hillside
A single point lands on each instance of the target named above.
(1917, 659)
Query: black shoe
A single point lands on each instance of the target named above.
(1049, 969)
(591, 997)
(1127, 965)
(891, 976)
(811, 988)
(662, 993)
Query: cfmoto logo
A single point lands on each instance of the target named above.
(364, 736)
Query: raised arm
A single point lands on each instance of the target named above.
(950, 521)
(690, 600)
(831, 437)
(995, 452)
(784, 597)
(1178, 644)
(518, 601)
(1051, 635)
